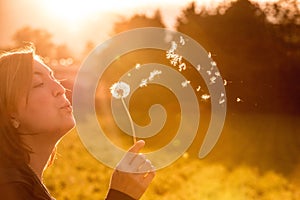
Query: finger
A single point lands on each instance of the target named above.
(137, 146)
(145, 167)
(137, 159)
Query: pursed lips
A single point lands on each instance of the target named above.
(67, 105)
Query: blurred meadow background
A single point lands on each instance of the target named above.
(256, 45)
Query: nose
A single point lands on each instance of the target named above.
(58, 89)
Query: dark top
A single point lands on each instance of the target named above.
(21, 183)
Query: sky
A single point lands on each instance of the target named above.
(74, 22)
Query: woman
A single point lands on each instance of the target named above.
(34, 115)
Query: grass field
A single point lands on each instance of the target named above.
(256, 158)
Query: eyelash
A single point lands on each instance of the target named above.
(52, 77)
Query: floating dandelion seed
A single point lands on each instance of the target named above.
(143, 82)
(185, 83)
(213, 63)
(198, 88)
(217, 74)
(239, 100)
(225, 82)
(208, 72)
(153, 74)
(138, 66)
(169, 54)
(129, 74)
(198, 67)
(175, 59)
(212, 80)
(205, 96)
(121, 90)
(182, 66)
(209, 54)
(221, 101)
(173, 46)
(182, 41)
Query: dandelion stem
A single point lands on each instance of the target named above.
(130, 119)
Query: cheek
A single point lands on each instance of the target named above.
(36, 111)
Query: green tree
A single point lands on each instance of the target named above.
(251, 52)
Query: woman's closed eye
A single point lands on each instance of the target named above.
(39, 84)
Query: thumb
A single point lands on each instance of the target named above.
(137, 146)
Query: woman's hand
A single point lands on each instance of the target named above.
(134, 172)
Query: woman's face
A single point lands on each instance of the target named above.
(46, 109)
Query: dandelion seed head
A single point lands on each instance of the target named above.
(120, 90)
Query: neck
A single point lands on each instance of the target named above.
(42, 150)
(39, 160)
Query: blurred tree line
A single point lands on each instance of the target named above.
(257, 50)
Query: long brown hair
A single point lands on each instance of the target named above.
(15, 80)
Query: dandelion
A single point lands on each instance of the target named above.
(121, 90)
(185, 83)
